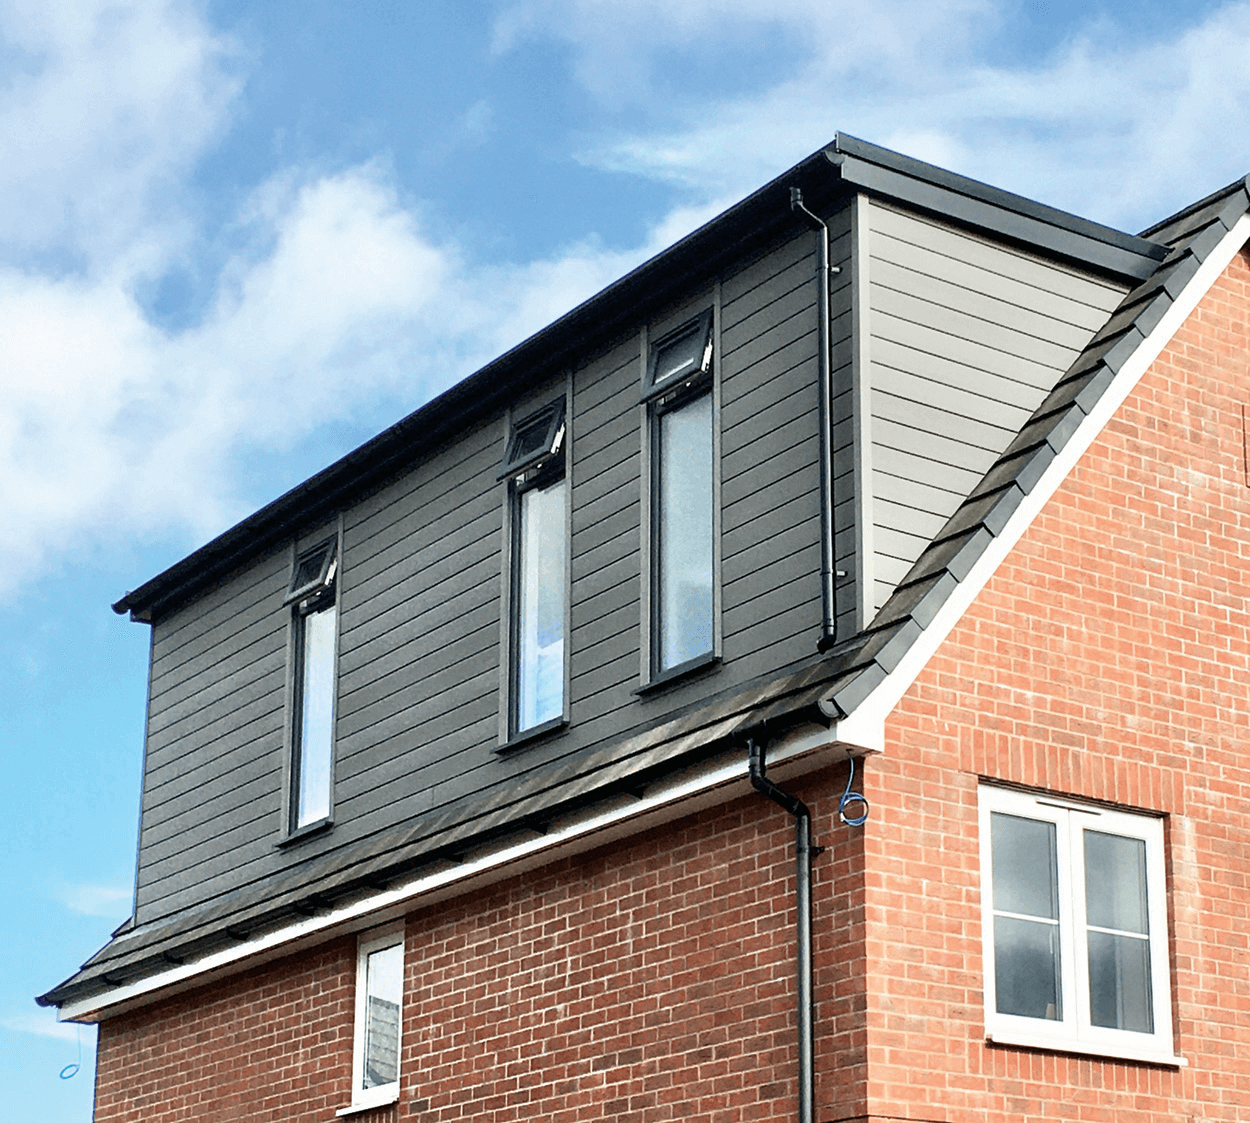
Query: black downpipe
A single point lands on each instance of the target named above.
(803, 924)
(828, 575)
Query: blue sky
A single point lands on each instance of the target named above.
(237, 239)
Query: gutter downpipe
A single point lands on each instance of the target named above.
(803, 921)
(828, 594)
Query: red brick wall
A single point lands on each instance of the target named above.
(653, 980)
(1108, 658)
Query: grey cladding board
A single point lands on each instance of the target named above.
(420, 610)
(967, 338)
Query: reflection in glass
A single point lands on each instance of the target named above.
(316, 715)
(1026, 968)
(384, 975)
(1026, 944)
(540, 606)
(1119, 943)
(684, 527)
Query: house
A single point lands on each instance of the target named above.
(808, 679)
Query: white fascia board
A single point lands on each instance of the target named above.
(866, 725)
(711, 782)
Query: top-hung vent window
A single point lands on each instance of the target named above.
(533, 440)
(314, 573)
(682, 356)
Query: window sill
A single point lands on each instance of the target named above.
(1105, 1050)
(536, 733)
(390, 1096)
(311, 830)
(688, 669)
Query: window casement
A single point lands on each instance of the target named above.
(379, 1019)
(1074, 927)
(537, 612)
(314, 628)
(679, 398)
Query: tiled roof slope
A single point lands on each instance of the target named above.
(1190, 236)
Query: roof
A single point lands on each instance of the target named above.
(827, 176)
(1184, 254)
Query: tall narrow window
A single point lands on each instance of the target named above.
(312, 729)
(682, 510)
(379, 1019)
(538, 492)
(1075, 926)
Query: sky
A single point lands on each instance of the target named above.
(238, 239)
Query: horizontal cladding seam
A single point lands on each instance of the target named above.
(183, 726)
(204, 685)
(177, 655)
(472, 517)
(218, 743)
(459, 692)
(983, 385)
(235, 778)
(480, 642)
(1010, 340)
(1088, 284)
(943, 369)
(1003, 317)
(259, 806)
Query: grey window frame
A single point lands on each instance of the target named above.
(658, 399)
(544, 468)
(306, 600)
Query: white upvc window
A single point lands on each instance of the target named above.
(1074, 927)
(379, 1018)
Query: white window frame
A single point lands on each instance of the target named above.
(1075, 1033)
(365, 1098)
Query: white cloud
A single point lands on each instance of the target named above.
(109, 901)
(44, 1024)
(1115, 128)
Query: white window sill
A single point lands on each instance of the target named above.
(388, 1097)
(1117, 1052)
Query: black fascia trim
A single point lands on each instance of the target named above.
(745, 227)
(534, 733)
(1022, 229)
(862, 150)
(674, 674)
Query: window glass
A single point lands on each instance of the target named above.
(384, 972)
(684, 527)
(316, 715)
(1027, 962)
(540, 605)
(1118, 932)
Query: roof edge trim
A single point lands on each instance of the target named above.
(882, 698)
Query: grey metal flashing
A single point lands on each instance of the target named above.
(1123, 256)
(953, 555)
(1053, 429)
(1139, 245)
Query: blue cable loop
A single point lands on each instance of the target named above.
(849, 796)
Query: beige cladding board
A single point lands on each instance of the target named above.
(966, 336)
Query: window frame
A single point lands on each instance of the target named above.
(363, 1099)
(545, 469)
(305, 601)
(1075, 1032)
(658, 400)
